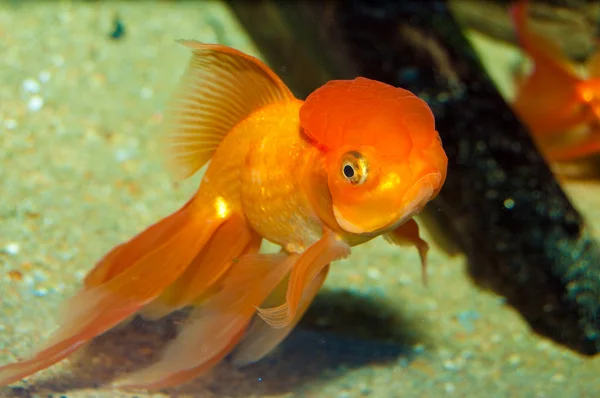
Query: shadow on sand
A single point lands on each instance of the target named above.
(341, 331)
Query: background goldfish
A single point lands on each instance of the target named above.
(558, 102)
(355, 161)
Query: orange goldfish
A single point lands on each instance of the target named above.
(560, 105)
(356, 160)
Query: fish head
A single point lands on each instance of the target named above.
(383, 157)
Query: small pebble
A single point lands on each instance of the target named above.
(466, 318)
(449, 365)
(10, 124)
(15, 275)
(364, 389)
(373, 273)
(41, 292)
(403, 362)
(39, 276)
(431, 305)
(35, 103)
(543, 345)
(12, 249)
(514, 359)
(44, 76)
(31, 86)
(122, 155)
(58, 60)
(118, 29)
(146, 93)
(467, 354)
(449, 387)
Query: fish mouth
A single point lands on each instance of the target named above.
(413, 201)
(421, 192)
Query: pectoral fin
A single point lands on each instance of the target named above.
(408, 235)
(328, 249)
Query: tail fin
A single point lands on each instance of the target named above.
(130, 276)
(214, 329)
(221, 87)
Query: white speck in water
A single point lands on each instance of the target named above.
(31, 86)
(449, 387)
(35, 103)
(432, 305)
(41, 292)
(10, 124)
(514, 360)
(373, 273)
(39, 276)
(122, 155)
(58, 60)
(44, 76)
(12, 248)
(542, 345)
(509, 203)
(146, 93)
(449, 365)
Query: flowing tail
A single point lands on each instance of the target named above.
(134, 274)
(167, 266)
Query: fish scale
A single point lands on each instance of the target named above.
(272, 198)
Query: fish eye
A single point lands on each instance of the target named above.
(354, 168)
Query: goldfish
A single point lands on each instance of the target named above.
(356, 160)
(559, 102)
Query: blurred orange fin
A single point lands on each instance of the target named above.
(261, 338)
(551, 86)
(129, 277)
(199, 280)
(214, 329)
(593, 64)
(545, 53)
(220, 87)
(407, 234)
(328, 249)
(588, 147)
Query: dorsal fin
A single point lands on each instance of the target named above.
(220, 88)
